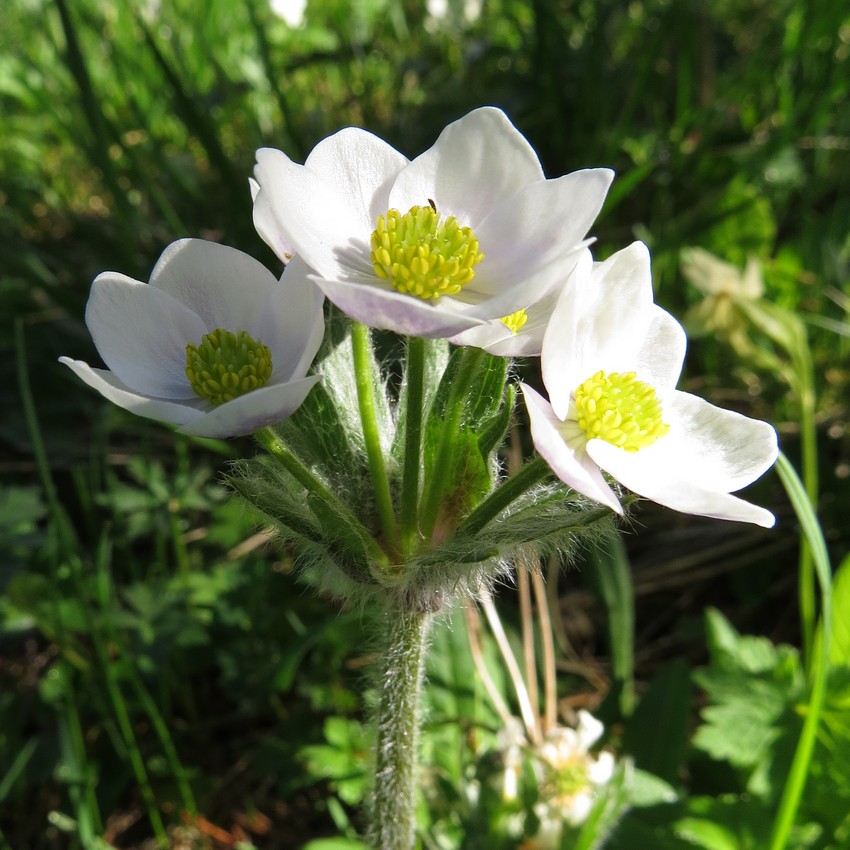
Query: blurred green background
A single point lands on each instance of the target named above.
(160, 669)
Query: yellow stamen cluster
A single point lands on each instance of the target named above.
(620, 409)
(515, 321)
(225, 365)
(421, 254)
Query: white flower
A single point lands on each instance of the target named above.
(713, 276)
(467, 232)
(291, 11)
(214, 343)
(569, 778)
(611, 359)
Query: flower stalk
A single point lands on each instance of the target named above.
(361, 348)
(393, 814)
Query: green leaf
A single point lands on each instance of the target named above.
(657, 733)
(839, 640)
(335, 844)
(729, 822)
(610, 576)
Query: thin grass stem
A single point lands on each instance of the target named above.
(819, 669)
(473, 632)
(526, 710)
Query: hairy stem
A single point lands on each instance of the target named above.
(361, 349)
(394, 796)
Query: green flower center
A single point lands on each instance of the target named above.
(620, 409)
(421, 254)
(567, 780)
(515, 321)
(225, 365)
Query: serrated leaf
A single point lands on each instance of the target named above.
(732, 651)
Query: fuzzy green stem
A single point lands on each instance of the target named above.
(361, 348)
(276, 447)
(443, 468)
(393, 814)
(532, 473)
(412, 442)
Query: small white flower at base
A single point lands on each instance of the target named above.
(570, 777)
(611, 359)
(214, 343)
(468, 232)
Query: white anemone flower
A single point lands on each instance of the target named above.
(611, 359)
(570, 778)
(214, 343)
(467, 232)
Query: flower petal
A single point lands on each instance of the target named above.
(664, 480)
(141, 333)
(661, 354)
(601, 321)
(477, 162)
(225, 287)
(572, 467)
(385, 308)
(295, 323)
(362, 167)
(497, 338)
(298, 208)
(589, 730)
(723, 450)
(538, 224)
(111, 388)
(251, 411)
(327, 208)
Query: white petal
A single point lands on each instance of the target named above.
(663, 480)
(601, 769)
(476, 163)
(299, 208)
(251, 411)
(589, 730)
(385, 308)
(225, 287)
(577, 810)
(659, 359)
(540, 223)
(111, 388)
(141, 333)
(573, 468)
(294, 323)
(601, 321)
(493, 302)
(563, 362)
(722, 450)
(496, 338)
(362, 167)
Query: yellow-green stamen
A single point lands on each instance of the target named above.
(225, 365)
(515, 321)
(421, 254)
(619, 409)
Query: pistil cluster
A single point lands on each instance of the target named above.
(422, 254)
(225, 365)
(620, 409)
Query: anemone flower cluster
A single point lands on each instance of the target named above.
(396, 495)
